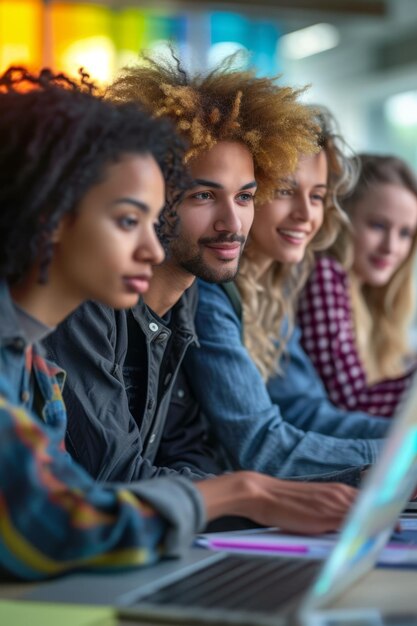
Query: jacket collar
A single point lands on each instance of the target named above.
(9, 326)
(184, 311)
(182, 315)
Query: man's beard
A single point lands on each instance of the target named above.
(190, 258)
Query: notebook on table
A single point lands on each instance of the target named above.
(217, 587)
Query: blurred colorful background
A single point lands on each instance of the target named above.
(360, 56)
(101, 38)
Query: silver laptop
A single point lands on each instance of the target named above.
(216, 587)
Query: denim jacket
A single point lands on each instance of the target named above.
(286, 429)
(53, 516)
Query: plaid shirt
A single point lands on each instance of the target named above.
(328, 336)
(53, 516)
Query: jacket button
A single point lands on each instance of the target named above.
(162, 337)
(152, 438)
(180, 393)
(153, 327)
(18, 343)
(25, 396)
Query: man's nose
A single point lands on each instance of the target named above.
(228, 218)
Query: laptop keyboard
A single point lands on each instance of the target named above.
(255, 584)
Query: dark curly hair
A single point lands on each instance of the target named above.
(57, 137)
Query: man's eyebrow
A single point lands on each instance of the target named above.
(210, 183)
(206, 183)
(142, 206)
(249, 185)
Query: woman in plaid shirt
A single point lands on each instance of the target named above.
(355, 321)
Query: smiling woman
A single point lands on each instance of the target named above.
(285, 226)
(303, 217)
(355, 323)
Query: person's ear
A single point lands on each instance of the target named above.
(56, 234)
(59, 229)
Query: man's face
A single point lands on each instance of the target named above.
(215, 215)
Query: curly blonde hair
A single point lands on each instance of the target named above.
(381, 314)
(268, 308)
(225, 105)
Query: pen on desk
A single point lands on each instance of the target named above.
(236, 544)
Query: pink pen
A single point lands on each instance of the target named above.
(263, 546)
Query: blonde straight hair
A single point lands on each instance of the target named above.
(268, 308)
(381, 314)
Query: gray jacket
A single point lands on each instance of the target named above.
(105, 435)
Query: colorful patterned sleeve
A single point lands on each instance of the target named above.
(55, 518)
(328, 337)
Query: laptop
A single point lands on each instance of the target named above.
(207, 587)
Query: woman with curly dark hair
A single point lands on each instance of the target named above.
(52, 156)
(81, 187)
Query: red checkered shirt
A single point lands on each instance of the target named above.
(328, 337)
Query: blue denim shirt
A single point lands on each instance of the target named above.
(286, 429)
(53, 516)
(304, 401)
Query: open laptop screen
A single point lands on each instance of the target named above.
(387, 488)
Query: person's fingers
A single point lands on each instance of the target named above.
(315, 526)
(337, 500)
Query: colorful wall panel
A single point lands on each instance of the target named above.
(68, 35)
(21, 26)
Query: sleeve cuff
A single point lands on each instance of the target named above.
(351, 476)
(180, 503)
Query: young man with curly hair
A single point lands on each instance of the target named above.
(138, 419)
